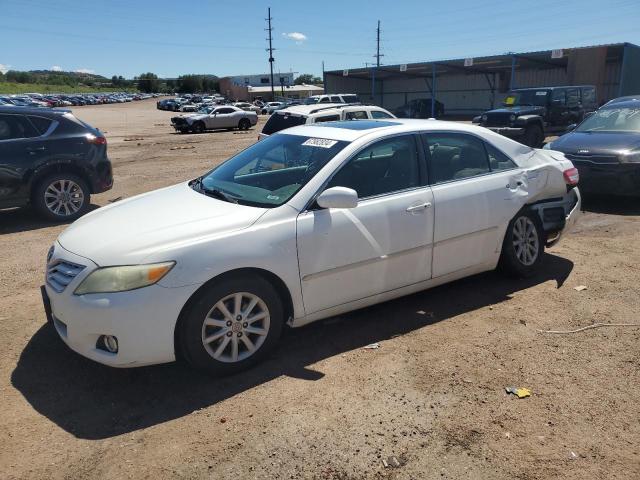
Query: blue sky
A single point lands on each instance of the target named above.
(128, 37)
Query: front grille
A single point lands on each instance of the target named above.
(178, 121)
(61, 273)
(574, 157)
(497, 120)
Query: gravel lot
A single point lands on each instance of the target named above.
(432, 396)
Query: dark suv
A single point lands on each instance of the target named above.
(529, 114)
(51, 160)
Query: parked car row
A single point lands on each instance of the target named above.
(67, 100)
(190, 103)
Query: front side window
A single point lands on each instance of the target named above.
(270, 172)
(324, 100)
(573, 97)
(454, 156)
(387, 166)
(559, 95)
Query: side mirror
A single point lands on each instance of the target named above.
(338, 197)
(571, 128)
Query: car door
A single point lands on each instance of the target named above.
(381, 245)
(20, 151)
(476, 191)
(228, 118)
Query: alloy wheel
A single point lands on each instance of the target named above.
(63, 197)
(525, 241)
(236, 327)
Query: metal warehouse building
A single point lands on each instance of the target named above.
(472, 85)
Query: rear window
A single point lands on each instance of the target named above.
(280, 121)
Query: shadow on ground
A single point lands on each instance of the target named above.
(611, 204)
(95, 402)
(26, 219)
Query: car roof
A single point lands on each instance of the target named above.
(325, 108)
(345, 131)
(33, 110)
(622, 103)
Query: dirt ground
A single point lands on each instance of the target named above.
(432, 396)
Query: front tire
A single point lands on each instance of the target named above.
(244, 124)
(198, 127)
(232, 325)
(62, 197)
(523, 245)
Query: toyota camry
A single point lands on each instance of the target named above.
(309, 223)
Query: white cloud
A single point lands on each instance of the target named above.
(4, 68)
(296, 36)
(85, 70)
(56, 68)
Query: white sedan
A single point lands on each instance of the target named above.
(249, 107)
(309, 223)
(215, 117)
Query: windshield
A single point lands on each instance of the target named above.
(612, 120)
(527, 97)
(205, 110)
(270, 172)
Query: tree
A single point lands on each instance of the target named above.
(307, 78)
(190, 83)
(148, 82)
(1, 77)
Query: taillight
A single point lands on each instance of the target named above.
(96, 139)
(571, 176)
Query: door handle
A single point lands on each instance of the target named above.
(34, 150)
(417, 208)
(518, 184)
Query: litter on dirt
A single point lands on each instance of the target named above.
(580, 288)
(372, 346)
(392, 462)
(519, 392)
(114, 200)
(182, 148)
(133, 139)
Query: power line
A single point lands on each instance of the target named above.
(270, 50)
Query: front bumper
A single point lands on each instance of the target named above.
(142, 320)
(511, 132)
(609, 179)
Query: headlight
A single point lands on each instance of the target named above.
(631, 157)
(547, 146)
(123, 278)
(512, 118)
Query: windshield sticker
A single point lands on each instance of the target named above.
(320, 142)
(542, 93)
(273, 197)
(509, 100)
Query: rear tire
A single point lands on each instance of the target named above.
(533, 136)
(218, 335)
(62, 197)
(523, 245)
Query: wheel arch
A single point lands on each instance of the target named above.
(275, 280)
(59, 167)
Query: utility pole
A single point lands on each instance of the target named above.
(270, 50)
(378, 55)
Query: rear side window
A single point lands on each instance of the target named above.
(336, 99)
(325, 100)
(279, 121)
(42, 124)
(327, 118)
(589, 96)
(14, 127)
(498, 161)
(454, 156)
(350, 98)
(359, 115)
(559, 95)
(376, 114)
(573, 97)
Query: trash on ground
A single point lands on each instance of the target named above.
(182, 148)
(372, 346)
(114, 200)
(580, 288)
(520, 392)
(133, 139)
(392, 462)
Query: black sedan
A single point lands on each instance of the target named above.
(605, 148)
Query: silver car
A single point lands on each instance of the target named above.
(215, 117)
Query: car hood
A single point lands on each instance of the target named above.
(518, 110)
(596, 142)
(132, 230)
